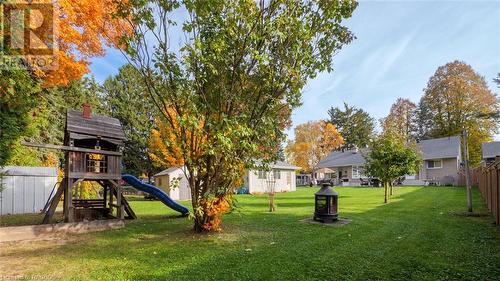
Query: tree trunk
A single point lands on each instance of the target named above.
(390, 186)
(385, 191)
(467, 171)
(198, 224)
(272, 206)
(198, 220)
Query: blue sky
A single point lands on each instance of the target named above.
(399, 45)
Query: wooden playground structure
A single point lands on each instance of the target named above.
(92, 145)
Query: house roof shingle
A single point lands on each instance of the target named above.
(343, 158)
(277, 165)
(166, 171)
(284, 166)
(447, 147)
(490, 149)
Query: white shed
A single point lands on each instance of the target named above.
(165, 181)
(281, 178)
(26, 189)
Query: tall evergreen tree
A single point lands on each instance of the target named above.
(354, 124)
(124, 97)
(46, 120)
(497, 80)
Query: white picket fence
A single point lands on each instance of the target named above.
(26, 189)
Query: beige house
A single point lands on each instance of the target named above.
(441, 164)
(281, 178)
(174, 183)
(347, 166)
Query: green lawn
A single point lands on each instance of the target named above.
(416, 237)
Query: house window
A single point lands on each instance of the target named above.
(261, 174)
(434, 164)
(358, 172)
(277, 174)
(159, 181)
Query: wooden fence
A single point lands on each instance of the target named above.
(489, 186)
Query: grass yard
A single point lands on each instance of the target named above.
(415, 237)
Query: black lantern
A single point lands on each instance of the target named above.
(326, 204)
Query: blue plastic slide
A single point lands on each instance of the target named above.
(156, 192)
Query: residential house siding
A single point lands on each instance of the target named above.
(447, 174)
(446, 149)
(286, 182)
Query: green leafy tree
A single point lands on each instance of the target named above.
(354, 124)
(18, 89)
(389, 159)
(226, 95)
(125, 98)
(47, 120)
(457, 98)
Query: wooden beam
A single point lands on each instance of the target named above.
(71, 148)
(119, 208)
(69, 212)
(95, 176)
(126, 206)
(53, 204)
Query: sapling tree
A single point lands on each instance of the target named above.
(271, 188)
(389, 159)
(226, 90)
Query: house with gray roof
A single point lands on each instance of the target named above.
(441, 163)
(347, 165)
(490, 150)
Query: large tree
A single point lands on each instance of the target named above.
(18, 90)
(125, 98)
(457, 98)
(389, 159)
(354, 124)
(313, 141)
(46, 120)
(400, 124)
(225, 95)
(82, 30)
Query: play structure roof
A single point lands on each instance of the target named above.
(97, 125)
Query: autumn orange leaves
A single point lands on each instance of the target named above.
(80, 30)
(313, 141)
